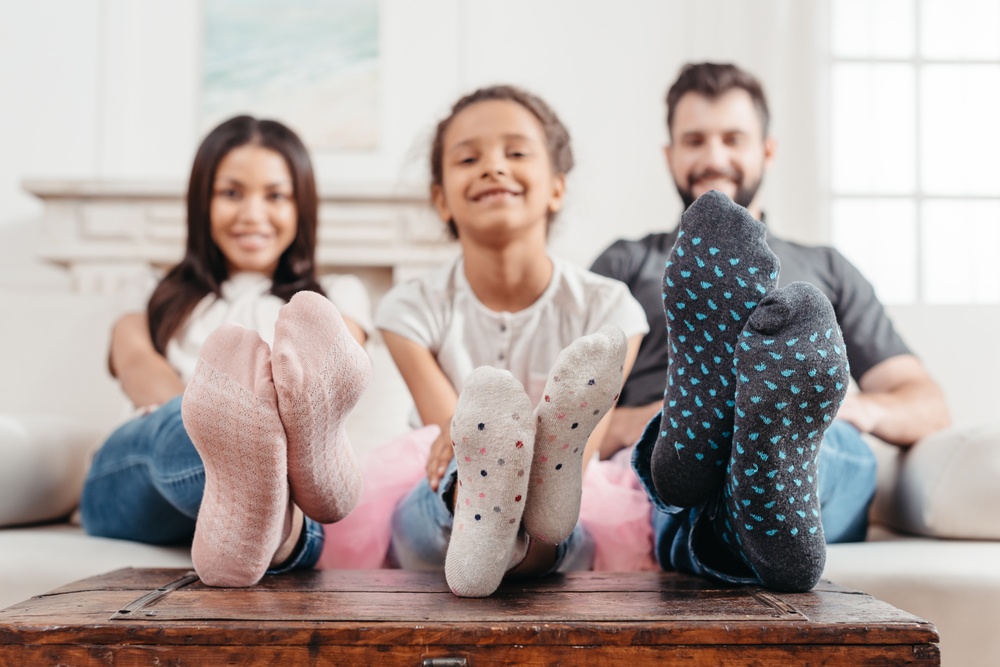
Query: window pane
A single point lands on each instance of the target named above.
(873, 28)
(960, 29)
(873, 129)
(960, 242)
(959, 105)
(878, 236)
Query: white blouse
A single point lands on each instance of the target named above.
(246, 300)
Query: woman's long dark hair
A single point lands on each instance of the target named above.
(204, 269)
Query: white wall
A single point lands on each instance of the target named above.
(109, 89)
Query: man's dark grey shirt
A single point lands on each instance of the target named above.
(868, 331)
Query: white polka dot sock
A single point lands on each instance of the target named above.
(582, 386)
(493, 433)
(230, 412)
(320, 372)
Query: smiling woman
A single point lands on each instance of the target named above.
(253, 209)
(243, 372)
(252, 164)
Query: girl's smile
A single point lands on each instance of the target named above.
(495, 195)
(497, 176)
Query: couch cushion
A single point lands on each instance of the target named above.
(955, 584)
(945, 485)
(42, 464)
(37, 559)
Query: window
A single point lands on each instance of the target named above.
(915, 146)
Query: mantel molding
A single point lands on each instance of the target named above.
(110, 234)
(53, 190)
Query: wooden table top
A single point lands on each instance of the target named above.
(392, 608)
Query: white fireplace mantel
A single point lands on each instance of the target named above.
(109, 234)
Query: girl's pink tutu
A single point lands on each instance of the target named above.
(617, 513)
(391, 470)
(615, 509)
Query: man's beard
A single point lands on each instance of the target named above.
(745, 192)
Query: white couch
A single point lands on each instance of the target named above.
(58, 402)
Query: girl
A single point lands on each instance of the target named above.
(499, 163)
(253, 455)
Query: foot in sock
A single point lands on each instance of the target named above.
(493, 433)
(230, 412)
(320, 372)
(583, 385)
(792, 372)
(718, 271)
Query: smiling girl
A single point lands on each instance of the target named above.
(516, 355)
(238, 449)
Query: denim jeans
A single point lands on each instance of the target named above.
(146, 482)
(421, 529)
(683, 542)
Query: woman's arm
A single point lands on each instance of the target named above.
(356, 331)
(432, 393)
(144, 374)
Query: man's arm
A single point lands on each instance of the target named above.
(625, 427)
(899, 402)
(626, 423)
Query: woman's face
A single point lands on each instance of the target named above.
(253, 212)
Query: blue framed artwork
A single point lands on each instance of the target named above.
(313, 64)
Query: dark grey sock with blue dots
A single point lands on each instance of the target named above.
(792, 375)
(493, 432)
(717, 272)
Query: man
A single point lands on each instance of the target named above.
(717, 119)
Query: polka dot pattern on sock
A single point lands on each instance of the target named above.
(792, 374)
(582, 386)
(718, 271)
(493, 450)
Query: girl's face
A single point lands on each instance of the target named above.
(254, 214)
(496, 172)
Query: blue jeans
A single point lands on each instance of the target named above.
(682, 541)
(146, 482)
(421, 529)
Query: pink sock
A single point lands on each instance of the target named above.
(230, 412)
(320, 372)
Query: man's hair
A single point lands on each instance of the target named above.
(714, 80)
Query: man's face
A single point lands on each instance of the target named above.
(718, 144)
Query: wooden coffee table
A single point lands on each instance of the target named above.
(389, 617)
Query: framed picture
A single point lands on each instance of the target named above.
(313, 64)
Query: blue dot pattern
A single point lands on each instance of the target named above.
(792, 374)
(718, 271)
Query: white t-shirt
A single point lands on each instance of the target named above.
(440, 312)
(246, 300)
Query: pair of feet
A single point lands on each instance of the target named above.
(755, 376)
(517, 465)
(270, 429)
